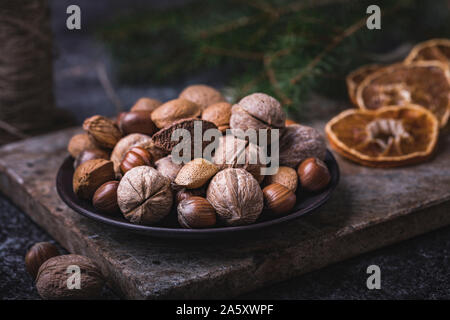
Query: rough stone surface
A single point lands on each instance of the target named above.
(370, 208)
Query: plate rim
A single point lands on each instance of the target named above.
(158, 231)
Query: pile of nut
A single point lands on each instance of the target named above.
(124, 166)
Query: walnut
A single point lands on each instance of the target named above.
(102, 131)
(202, 95)
(236, 153)
(78, 143)
(298, 143)
(236, 197)
(257, 111)
(144, 195)
(134, 140)
(219, 114)
(167, 167)
(90, 175)
(175, 110)
(53, 280)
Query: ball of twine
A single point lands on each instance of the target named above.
(25, 63)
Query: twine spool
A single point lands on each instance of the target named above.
(26, 97)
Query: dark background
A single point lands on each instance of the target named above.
(414, 269)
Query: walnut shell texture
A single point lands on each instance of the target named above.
(144, 195)
(78, 143)
(52, 277)
(102, 131)
(175, 110)
(90, 175)
(235, 153)
(134, 140)
(236, 196)
(257, 111)
(298, 143)
(167, 167)
(202, 95)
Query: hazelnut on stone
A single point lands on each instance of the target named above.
(257, 111)
(102, 131)
(300, 142)
(175, 110)
(236, 196)
(37, 255)
(144, 195)
(202, 95)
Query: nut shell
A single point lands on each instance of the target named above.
(105, 198)
(136, 122)
(90, 175)
(314, 174)
(278, 199)
(102, 131)
(300, 142)
(144, 195)
(136, 157)
(219, 114)
(202, 95)
(195, 173)
(236, 197)
(146, 104)
(174, 110)
(90, 154)
(52, 278)
(78, 143)
(285, 176)
(37, 255)
(167, 167)
(196, 212)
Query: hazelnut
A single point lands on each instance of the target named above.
(78, 143)
(136, 157)
(298, 143)
(237, 153)
(167, 167)
(285, 176)
(102, 131)
(257, 111)
(144, 195)
(134, 140)
(105, 198)
(53, 278)
(202, 95)
(236, 197)
(219, 114)
(174, 110)
(136, 122)
(195, 173)
(278, 199)
(90, 154)
(313, 174)
(146, 104)
(37, 255)
(90, 175)
(187, 193)
(196, 212)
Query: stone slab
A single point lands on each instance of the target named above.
(370, 208)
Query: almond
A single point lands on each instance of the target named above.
(195, 173)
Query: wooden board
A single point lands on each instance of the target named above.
(371, 208)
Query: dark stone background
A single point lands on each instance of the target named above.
(414, 269)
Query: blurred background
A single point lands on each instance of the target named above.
(297, 51)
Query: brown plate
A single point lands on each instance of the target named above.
(306, 202)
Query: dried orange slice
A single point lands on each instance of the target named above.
(355, 77)
(426, 83)
(435, 49)
(388, 137)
